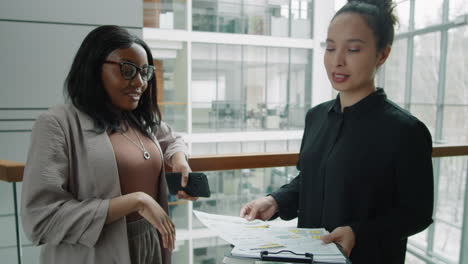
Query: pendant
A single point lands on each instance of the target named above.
(146, 155)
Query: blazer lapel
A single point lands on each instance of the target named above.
(100, 159)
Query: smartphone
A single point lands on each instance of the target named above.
(197, 185)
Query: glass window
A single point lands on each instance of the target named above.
(277, 88)
(427, 13)
(255, 15)
(229, 191)
(204, 149)
(204, 15)
(253, 146)
(228, 110)
(278, 11)
(276, 146)
(182, 247)
(456, 87)
(449, 208)
(171, 61)
(395, 72)
(300, 88)
(294, 145)
(426, 68)
(420, 239)
(254, 86)
(457, 8)
(427, 114)
(168, 14)
(301, 18)
(238, 88)
(204, 86)
(403, 14)
(281, 18)
(455, 125)
(228, 147)
(447, 239)
(456, 83)
(230, 17)
(451, 193)
(412, 259)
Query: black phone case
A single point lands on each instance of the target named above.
(197, 185)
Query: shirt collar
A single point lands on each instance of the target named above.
(361, 107)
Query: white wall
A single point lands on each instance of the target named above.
(38, 42)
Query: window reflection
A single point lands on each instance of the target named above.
(280, 18)
(167, 14)
(249, 88)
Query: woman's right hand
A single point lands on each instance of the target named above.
(153, 213)
(262, 208)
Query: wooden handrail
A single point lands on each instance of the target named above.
(11, 171)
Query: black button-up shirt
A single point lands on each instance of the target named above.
(368, 167)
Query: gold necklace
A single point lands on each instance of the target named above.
(146, 154)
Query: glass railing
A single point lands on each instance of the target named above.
(238, 178)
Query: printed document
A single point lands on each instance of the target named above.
(251, 237)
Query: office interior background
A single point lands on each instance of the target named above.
(237, 76)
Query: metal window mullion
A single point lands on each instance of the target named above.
(243, 29)
(441, 85)
(216, 46)
(409, 73)
(409, 60)
(243, 87)
(266, 75)
(188, 58)
(431, 229)
(439, 117)
(217, 16)
(19, 250)
(308, 82)
(290, 19)
(288, 86)
(464, 232)
(311, 17)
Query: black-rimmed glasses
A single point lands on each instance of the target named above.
(129, 70)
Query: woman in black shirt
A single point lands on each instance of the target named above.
(365, 164)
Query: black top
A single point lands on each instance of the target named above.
(368, 167)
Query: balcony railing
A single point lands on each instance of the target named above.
(12, 172)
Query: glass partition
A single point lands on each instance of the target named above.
(250, 88)
(166, 14)
(280, 18)
(229, 191)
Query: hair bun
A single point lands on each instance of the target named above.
(387, 5)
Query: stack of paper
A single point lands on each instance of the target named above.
(250, 238)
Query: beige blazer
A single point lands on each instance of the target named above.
(69, 178)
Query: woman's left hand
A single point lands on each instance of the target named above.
(180, 164)
(343, 236)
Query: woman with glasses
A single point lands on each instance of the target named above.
(94, 189)
(365, 164)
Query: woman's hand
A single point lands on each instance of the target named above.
(262, 208)
(180, 164)
(343, 236)
(153, 213)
